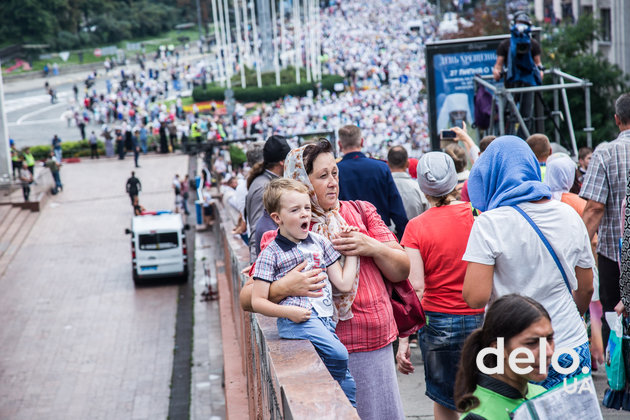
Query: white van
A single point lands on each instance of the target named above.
(158, 246)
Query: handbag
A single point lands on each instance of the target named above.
(615, 366)
(406, 306)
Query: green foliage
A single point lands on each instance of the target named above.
(568, 48)
(40, 152)
(68, 149)
(237, 156)
(265, 93)
(28, 20)
(69, 24)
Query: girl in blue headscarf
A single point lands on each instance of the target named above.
(506, 255)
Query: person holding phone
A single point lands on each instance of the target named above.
(459, 134)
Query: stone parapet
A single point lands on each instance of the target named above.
(286, 379)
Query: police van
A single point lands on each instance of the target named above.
(158, 246)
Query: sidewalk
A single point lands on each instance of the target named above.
(207, 393)
(78, 339)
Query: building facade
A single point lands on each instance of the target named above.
(612, 14)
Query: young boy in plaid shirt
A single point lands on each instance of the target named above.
(288, 203)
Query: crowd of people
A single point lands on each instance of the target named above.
(376, 52)
(23, 166)
(370, 44)
(501, 246)
(503, 241)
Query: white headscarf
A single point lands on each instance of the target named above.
(326, 223)
(560, 175)
(436, 174)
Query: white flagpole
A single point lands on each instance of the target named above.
(307, 40)
(248, 51)
(226, 55)
(311, 39)
(296, 39)
(319, 40)
(228, 34)
(276, 50)
(219, 42)
(314, 55)
(283, 35)
(256, 52)
(239, 42)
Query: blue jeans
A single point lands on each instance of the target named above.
(441, 341)
(321, 332)
(57, 179)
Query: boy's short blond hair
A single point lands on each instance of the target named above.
(275, 189)
(540, 145)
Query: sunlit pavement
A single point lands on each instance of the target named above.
(78, 340)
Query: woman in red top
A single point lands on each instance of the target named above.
(435, 242)
(366, 323)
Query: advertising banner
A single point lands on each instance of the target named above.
(451, 66)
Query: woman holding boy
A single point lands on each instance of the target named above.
(366, 324)
(288, 204)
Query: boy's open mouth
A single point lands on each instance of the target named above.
(304, 226)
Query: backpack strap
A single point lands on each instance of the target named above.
(547, 245)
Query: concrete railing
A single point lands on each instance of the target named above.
(40, 191)
(286, 379)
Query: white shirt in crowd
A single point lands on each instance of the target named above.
(503, 238)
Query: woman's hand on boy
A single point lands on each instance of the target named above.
(354, 243)
(298, 283)
(298, 314)
(348, 228)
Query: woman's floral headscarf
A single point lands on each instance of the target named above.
(326, 223)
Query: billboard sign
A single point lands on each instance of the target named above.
(451, 66)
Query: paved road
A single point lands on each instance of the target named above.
(78, 340)
(33, 120)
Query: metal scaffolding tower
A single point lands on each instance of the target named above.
(504, 103)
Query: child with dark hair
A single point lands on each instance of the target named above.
(584, 159)
(512, 322)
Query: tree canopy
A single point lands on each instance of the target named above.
(569, 49)
(67, 24)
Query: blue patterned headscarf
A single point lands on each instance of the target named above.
(506, 174)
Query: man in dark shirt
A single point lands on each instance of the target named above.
(521, 20)
(133, 188)
(524, 67)
(362, 178)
